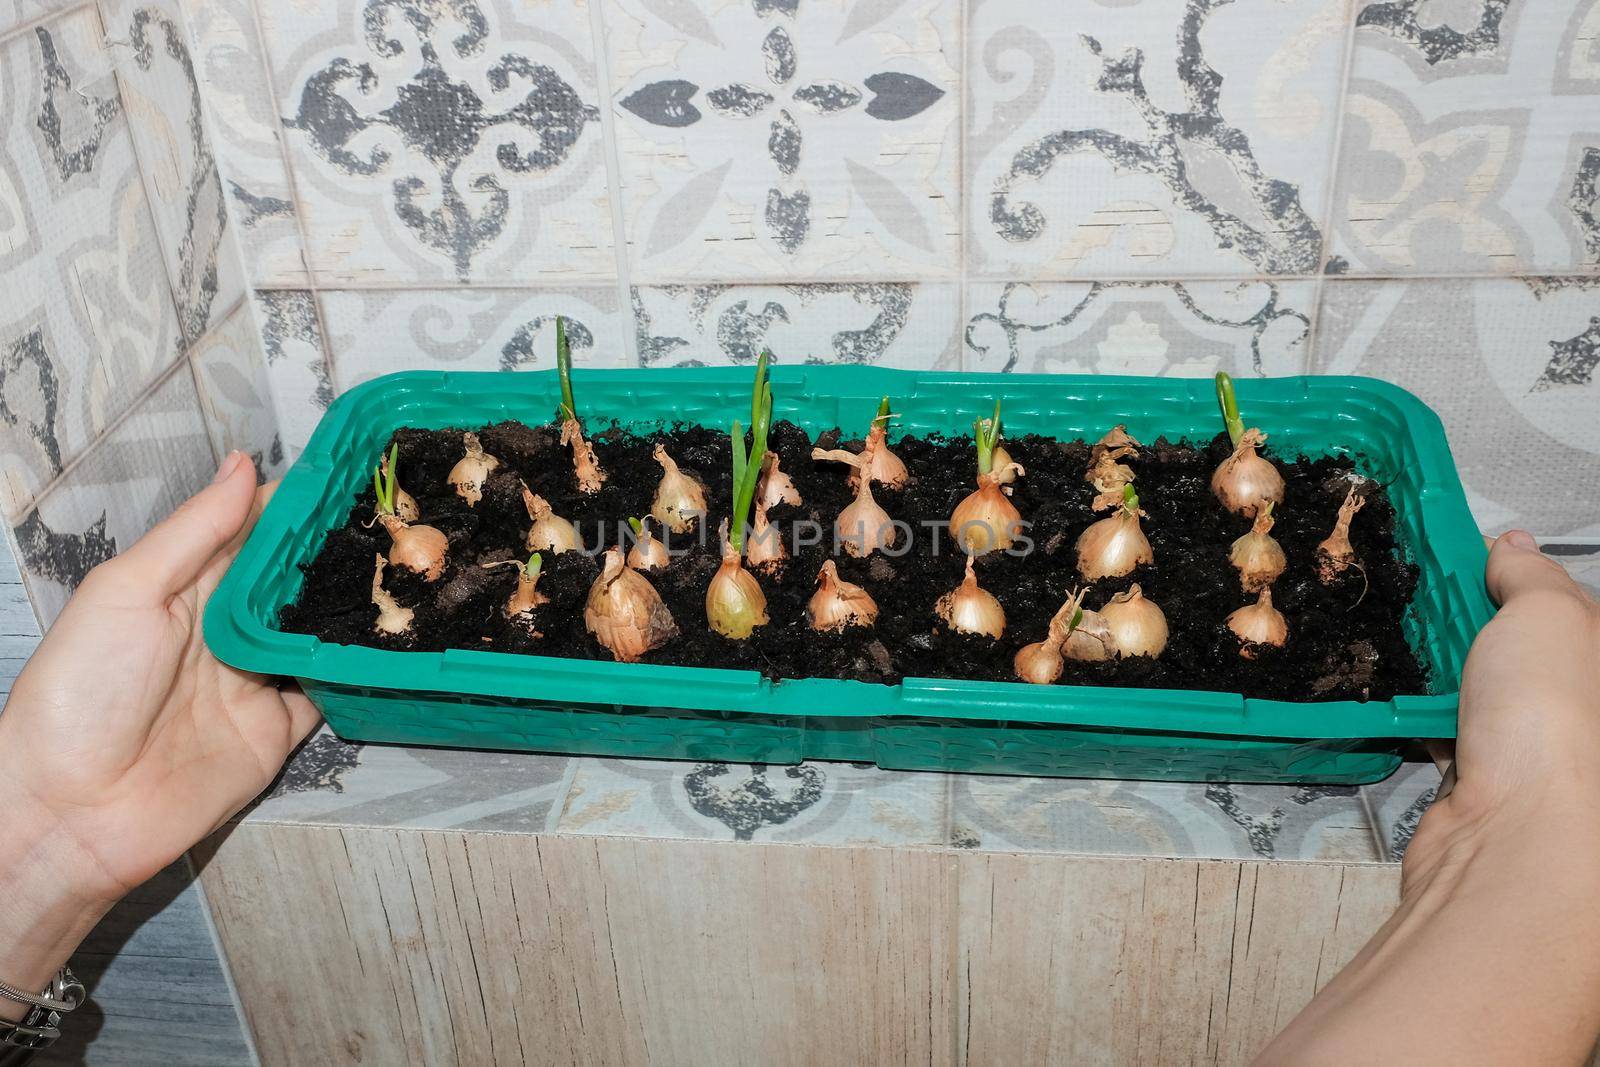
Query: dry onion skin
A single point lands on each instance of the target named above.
(1115, 545)
(971, 609)
(1117, 440)
(1007, 469)
(680, 498)
(1089, 637)
(1335, 554)
(1137, 626)
(838, 604)
(1257, 556)
(1259, 624)
(863, 527)
(625, 613)
(647, 553)
(764, 548)
(472, 470)
(776, 486)
(392, 618)
(735, 604)
(1108, 478)
(547, 531)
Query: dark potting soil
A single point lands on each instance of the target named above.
(1345, 640)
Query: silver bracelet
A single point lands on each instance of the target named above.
(41, 1026)
(63, 993)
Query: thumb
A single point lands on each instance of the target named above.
(1517, 568)
(176, 550)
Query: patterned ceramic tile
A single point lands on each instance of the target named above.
(1160, 819)
(152, 461)
(1397, 804)
(1172, 138)
(87, 321)
(298, 373)
(231, 67)
(330, 781)
(773, 140)
(230, 372)
(889, 324)
(817, 803)
(1172, 328)
(373, 333)
(1509, 364)
(433, 141)
(1471, 139)
(162, 99)
(17, 14)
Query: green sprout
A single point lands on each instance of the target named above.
(636, 526)
(385, 484)
(1130, 499)
(883, 412)
(747, 466)
(532, 568)
(987, 433)
(1230, 407)
(569, 408)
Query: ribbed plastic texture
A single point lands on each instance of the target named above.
(504, 701)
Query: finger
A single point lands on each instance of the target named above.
(211, 576)
(1517, 568)
(303, 715)
(173, 554)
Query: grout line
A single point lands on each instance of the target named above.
(608, 144)
(963, 208)
(222, 958)
(1335, 171)
(442, 285)
(1373, 825)
(558, 807)
(50, 16)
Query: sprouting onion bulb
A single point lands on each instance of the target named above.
(392, 618)
(680, 498)
(764, 547)
(1257, 555)
(548, 532)
(882, 465)
(1137, 626)
(472, 470)
(1258, 624)
(624, 611)
(971, 609)
(838, 604)
(1335, 554)
(1089, 637)
(1245, 479)
(417, 548)
(585, 467)
(863, 527)
(647, 554)
(1115, 545)
(1108, 478)
(735, 604)
(405, 505)
(776, 486)
(986, 519)
(1040, 663)
(526, 596)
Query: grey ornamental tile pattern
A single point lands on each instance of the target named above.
(88, 320)
(376, 332)
(1472, 144)
(772, 140)
(230, 374)
(298, 371)
(433, 141)
(1510, 366)
(1140, 327)
(1396, 805)
(891, 324)
(1172, 139)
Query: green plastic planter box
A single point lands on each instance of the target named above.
(498, 700)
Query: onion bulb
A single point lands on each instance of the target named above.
(417, 548)
(1259, 624)
(1089, 637)
(1257, 555)
(405, 505)
(680, 498)
(1245, 479)
(1115, 545)
(471, 470)
(1335, 553)
(587, 469)
(548, 532)
(862, 527)
(763, 546)
(647, 554)
(882, 465)
(1136, 625)
(1040, 663)
(624, 611)
(392, 618)
(735, 604)
(776, 486)
(838, 604)
(986, 519)
(969, 609)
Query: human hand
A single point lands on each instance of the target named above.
(124, 741)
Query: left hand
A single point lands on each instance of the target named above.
(124, 741)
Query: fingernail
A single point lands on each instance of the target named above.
(1522, 539)
(230, 463)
